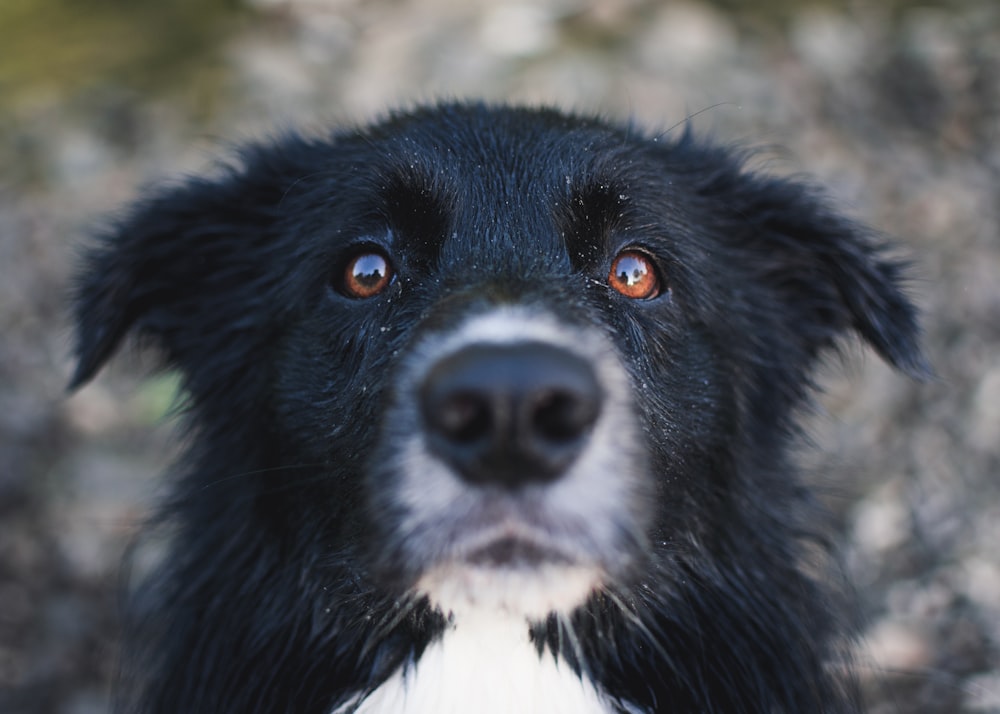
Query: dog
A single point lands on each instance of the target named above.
(489, 410)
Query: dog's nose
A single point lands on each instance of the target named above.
(512, 414)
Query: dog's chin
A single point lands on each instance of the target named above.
(510, 581)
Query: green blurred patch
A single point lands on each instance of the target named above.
(157, 398)
(67, 46)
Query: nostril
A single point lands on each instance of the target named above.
(563, 415)
(465, 417)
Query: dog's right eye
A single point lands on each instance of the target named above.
(365, 275)
(633, 274)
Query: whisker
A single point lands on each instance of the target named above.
(691, 115)
(566, 626)
(402, 609)
(634, 619)
(257, 472)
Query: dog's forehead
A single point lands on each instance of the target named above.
(511, 184)
(506, 134)
(512, 154)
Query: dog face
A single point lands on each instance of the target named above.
(503, 360)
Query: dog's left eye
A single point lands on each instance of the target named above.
(633, 274)
(366, 274)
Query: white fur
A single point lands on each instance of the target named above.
(484, 665)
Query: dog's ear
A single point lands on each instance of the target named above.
(190, 270)
(831, 274)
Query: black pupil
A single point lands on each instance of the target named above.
(369, 270)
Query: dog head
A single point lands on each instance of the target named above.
(502, 358)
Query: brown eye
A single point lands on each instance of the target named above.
(634, 275)
(365, 275)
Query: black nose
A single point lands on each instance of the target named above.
(510, 414)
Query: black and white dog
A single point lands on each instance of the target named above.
(489, 411)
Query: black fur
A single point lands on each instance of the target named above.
(281, 591)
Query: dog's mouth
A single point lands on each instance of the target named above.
(511, 567)
(512, 541)
(515, 552)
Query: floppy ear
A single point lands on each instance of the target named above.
(830, 273)
(189, 270)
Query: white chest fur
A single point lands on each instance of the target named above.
(486, 667)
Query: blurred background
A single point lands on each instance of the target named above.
(894, 105)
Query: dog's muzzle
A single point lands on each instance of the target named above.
(517, 473)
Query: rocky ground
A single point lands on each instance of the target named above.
(897, 110)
